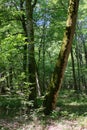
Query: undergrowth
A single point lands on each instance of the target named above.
(70, 105)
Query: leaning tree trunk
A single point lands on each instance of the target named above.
(57, 77)
(31, 58)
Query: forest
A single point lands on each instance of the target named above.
(43, 64)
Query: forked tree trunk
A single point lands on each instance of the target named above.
(57, 77)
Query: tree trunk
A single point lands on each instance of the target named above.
(11, 78)
(73, 70)
(85, 51)
(78, 66)
(31, 57)
(57, 77)
(23, 21)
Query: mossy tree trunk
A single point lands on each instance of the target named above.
(31, 57)
(57, 77)
(23, 22)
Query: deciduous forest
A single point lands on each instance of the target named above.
(43, 64)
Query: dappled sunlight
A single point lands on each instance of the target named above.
(43, 65)
(70, 114)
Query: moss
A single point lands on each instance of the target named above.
(50, 99)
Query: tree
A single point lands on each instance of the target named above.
(73, 70)
(23, 21)
(32, 71)
(57, 77)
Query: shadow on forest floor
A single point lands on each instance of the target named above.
(72, 104)
(73, 111)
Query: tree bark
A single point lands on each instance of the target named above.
(85, 51)
(78, 66)
(73, 70)
(57, 77)
(32, 69)
(23, 21)
(11, 78)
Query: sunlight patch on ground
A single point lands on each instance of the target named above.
(80, 124)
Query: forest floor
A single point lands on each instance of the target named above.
(70, 114)
(36, 124)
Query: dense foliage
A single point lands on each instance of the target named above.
(49, 20)
(31, 36)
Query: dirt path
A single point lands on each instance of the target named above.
(36, 124)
